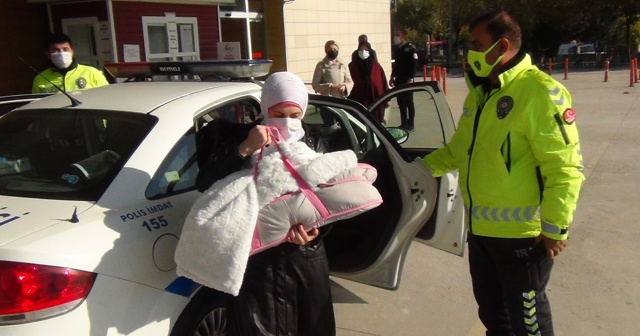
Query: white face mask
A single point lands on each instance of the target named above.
(290, 128)
(364, 54)
(62, 60)
(397, 40)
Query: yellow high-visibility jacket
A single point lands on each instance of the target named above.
(518, 154)
(76, 78)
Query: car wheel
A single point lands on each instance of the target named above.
(206, 315)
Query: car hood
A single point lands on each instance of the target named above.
(20, 217)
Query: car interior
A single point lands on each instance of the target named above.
(68, 153)
(354, 244)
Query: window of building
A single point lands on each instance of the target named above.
(170, 38)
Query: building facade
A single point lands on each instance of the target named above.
(291, 33)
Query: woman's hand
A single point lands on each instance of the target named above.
(258, 137)
(297, 235)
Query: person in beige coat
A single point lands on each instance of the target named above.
(331, 76)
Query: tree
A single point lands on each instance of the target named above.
(545, 23)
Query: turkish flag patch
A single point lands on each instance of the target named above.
(569, 116)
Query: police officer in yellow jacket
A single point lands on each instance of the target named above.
(518, 155)
(65, 72)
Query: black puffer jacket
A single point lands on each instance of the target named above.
(286, 289)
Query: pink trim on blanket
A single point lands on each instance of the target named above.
(255, 240)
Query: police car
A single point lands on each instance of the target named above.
(95, 186)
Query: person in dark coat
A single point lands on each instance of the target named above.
(403, 70)
(286, 289)
(369, 80)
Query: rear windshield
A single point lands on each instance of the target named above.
(62, 154)
(587, 49)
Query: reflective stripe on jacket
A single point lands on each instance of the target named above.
(80, 77)
(518, 155)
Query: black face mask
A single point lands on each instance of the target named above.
(332, 54)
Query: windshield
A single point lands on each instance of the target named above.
(587, 48)
(62, 154)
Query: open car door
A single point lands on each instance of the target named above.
(371, 247)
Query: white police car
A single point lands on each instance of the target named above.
(93, 194)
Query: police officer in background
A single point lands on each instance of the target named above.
(65, 72)
(402, 71)
(518, 155)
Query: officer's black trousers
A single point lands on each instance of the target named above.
(509, 279)
(407, 109)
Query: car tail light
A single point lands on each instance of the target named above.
(30, 292)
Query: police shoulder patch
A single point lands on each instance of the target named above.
(569, 116)
(504, 106)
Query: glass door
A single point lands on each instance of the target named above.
(244, 23)
(84, 37)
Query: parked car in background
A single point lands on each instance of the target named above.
(8, 103)
(579, 54)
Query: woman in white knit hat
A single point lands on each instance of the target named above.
(286, 289)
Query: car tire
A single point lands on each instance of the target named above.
(206, 315)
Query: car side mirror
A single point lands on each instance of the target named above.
(400, 135)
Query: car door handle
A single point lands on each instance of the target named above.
(414, 190)
(450, 194)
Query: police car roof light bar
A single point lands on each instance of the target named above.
(235, 69)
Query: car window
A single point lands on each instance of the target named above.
(240, 111)
(178, 170)
(63, 154)
(329, 129)
(429, 131)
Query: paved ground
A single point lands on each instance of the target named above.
(595, 287)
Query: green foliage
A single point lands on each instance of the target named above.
(545, 23)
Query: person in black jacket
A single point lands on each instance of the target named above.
(402, 71)
(286, 289)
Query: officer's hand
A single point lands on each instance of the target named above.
(552, 246)
(297, 235)
(258, 137)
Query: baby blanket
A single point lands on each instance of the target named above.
(245, 213)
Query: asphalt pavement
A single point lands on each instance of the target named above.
(595, 284)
